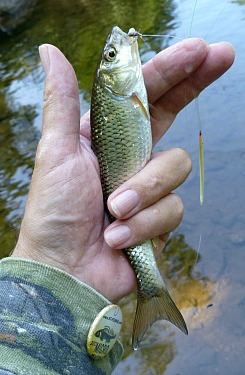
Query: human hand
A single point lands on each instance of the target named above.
(64, 220)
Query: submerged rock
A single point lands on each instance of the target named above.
(14, 12)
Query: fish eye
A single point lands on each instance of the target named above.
(110, 55)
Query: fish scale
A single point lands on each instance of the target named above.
(122, 142)
(141, 258)
(124, 150)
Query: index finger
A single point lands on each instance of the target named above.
(173, 93)
(172, 65)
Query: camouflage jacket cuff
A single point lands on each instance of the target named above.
(45, 318)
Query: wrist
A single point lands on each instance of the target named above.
(27, 249)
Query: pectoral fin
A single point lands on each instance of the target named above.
(136, 100)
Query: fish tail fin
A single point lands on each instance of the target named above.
(149, 310)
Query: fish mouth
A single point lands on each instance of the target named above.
(134, 33)
(118, 37)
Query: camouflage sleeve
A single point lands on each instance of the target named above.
(45, 316)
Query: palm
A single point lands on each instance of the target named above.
(75, 220)
(83, 230)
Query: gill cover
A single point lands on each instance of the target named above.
(120, 66)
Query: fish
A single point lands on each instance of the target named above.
(122, 141)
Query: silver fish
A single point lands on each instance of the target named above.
(122, 141)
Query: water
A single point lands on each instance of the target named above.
(210, 295)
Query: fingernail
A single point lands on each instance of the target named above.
(44, 56)
(117, 235)
(124, 202)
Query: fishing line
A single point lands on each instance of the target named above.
(215, 21)
(200, 138)
(197, 257)
(192, 18)
(200, 135)
(161, 35)
(201, 148)
(201, 159)
(132, 32)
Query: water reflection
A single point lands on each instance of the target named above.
(239, 2)
(79, 29)
(13, 13)
(18, 144)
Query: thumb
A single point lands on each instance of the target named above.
(61, 110)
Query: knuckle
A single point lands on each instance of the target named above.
(154, 182)
(143, 225)
(48, 102)
(49, 97)
(41, 152)
(184, 158)
(188, 163)
(178, 207)
(156, 212)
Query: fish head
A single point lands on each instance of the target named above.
(120, 66)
